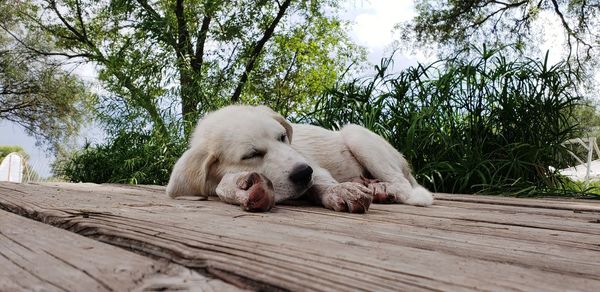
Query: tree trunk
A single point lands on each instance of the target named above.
(189, 102)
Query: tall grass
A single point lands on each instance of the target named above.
(486, 124)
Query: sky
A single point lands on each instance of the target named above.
(372, 24)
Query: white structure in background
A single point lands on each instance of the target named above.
(586, 170)
(11, 168)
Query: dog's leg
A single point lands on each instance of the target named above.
(251, 190)
(342, 197)
(395, 182)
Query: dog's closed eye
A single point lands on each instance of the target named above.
(254, 154)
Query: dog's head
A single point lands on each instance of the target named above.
(241, 138)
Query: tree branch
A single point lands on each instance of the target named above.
(227, 68)
(570, 34)
(257, 50)
(40, 52)
(80, 18)
(199, 54)
(14, 107)
(158, 18)
(98, 56)
(72, 29)
(288, 71)
(142, 99)
(507, 6)
(184, 43)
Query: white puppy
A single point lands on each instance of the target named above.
(251, 156)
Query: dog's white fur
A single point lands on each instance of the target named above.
(223, 138)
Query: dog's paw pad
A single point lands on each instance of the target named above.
(381, 194)
(255, 192)
(378, 189)
(348, 197)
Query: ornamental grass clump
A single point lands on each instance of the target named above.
(484, 124)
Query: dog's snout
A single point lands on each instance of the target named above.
(301, 174)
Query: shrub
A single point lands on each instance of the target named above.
(130, 157)
(485, 124)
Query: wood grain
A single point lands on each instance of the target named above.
(462, 243)
(38, 257)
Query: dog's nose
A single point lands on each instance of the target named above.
(301, 174)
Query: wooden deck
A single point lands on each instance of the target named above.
(138, 239)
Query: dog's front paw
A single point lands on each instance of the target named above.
(348, 197)
(379, 190)
(386, 193)
(251, 190)
(256, 192)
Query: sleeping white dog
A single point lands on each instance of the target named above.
(252, 157)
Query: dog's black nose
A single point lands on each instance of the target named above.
(301, 174)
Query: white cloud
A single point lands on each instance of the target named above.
(372, 25)
(552, 36)
(374, 21)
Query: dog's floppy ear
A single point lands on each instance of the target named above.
(191, 174)
(286, 125)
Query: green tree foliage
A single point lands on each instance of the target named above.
(303, 62)
(164, 60)
(588, 115)
(7, 149)
(487, 124)
(35, 92)
(457, 24)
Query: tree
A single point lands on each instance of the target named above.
(171, 60)
(35, 91)
(456, 24)
(300, 66)
(588, 116)
(6, 149)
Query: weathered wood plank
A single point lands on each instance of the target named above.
(39, 257)
(547, 203)
(450, 246)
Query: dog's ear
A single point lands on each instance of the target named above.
(288, 128)
(286, 125)
(191, 174)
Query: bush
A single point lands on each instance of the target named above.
(130, 157)
(484, 124)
